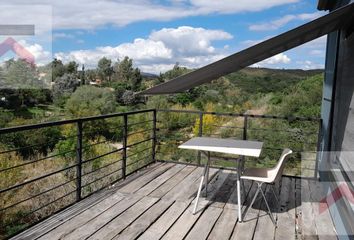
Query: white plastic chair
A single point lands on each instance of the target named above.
(267, 176)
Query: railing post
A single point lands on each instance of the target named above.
(200, 133)
(245, 119)
(125, 138)
(154, 118)
(78, 160)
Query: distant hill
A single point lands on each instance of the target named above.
(148, 75)
(264, 80)
(299, 72)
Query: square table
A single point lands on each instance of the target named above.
(223, 145)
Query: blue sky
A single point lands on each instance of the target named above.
(157, 34)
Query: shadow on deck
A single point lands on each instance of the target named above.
(157, 202)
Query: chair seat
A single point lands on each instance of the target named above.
(258, 174)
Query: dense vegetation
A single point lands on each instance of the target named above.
(110, 88)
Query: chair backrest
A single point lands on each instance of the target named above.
(277, 171)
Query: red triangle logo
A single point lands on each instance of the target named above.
(342, 191)
(18, 49)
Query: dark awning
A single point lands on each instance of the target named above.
(283, 42)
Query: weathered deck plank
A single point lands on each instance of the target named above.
(160, 227)
(83, 218)
(286, 212)
(101, 220)
(145, 179)
(187, 220)
(323, 221)
(158, 205)
(265, 228)
(245, 229)
(155, 183)
(204, 224)
(214, 187)
(306, 213)
(171, 183)
(110, 229)
(225, 224)
(144, 221)
(182, 226)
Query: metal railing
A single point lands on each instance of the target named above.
(46, 167)
(301, 134)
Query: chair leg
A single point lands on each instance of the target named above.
(243, 188)
(253, 200)
(270, 213)
(275, 195)
(206, 174)
(206, 179)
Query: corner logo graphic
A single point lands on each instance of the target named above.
(17, 48)
(342, 191)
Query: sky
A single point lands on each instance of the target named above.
(156, 34)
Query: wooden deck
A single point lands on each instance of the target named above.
(156, 203)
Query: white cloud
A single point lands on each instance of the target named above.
(307, 64)
(191, 47)
(62, 35)
(280, 22)
(317, 52)
(188, 40)
(251, 42)
(41, 56)
(232, 6)
(280, 58)
(318, 43)
(90, 14)
(38, 15)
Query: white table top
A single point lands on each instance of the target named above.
(224, 145)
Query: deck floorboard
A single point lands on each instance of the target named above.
(157, 203)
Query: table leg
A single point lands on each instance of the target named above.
(239, 203)
(198, 194)
(205, 176)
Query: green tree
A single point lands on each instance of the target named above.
(71, 67)
(105, 69)
(176, 71)
(2, 78)
(21, 75)
(90, 100)
(42, 139)
(135, 80)
(63, 87)
(90, 75)
(58, 68)
(21, 86)
(301, 99)
(125, 72)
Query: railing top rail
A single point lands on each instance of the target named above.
(69, 121)
(242, 115)
(84, 119)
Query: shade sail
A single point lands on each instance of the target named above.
(283, 42)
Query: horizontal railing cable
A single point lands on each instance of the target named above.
(37, 195)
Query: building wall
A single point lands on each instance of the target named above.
(338, 125)
(343, 118)
(342, 141)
